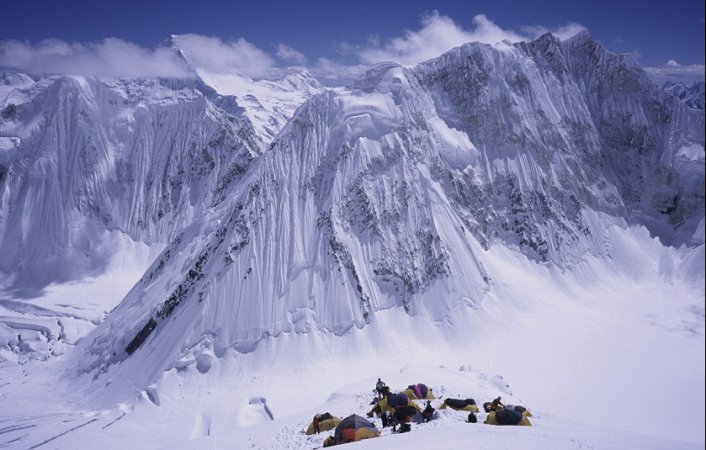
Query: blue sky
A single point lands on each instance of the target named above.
(357, 32)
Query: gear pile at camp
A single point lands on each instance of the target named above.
(399, 411)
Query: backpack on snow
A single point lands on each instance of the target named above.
(404, 428)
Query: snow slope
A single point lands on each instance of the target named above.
(557, 342)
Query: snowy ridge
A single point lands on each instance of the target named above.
(692, 95)
(143, 157)
(387, 194)
(267, 103)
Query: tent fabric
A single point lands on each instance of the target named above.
(388, 404)
(326, 422)
(419, 392)
(467, 404)
(396, 400)
(354, 428)
(520, 409)
(405, 413)
(417, 418)
(508, 417)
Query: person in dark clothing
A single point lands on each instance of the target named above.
(428, 413)
(385, 419)
(495, 405)
(403, 414)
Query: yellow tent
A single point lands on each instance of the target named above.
(352, 429)
(382, 406)
(411, 394)
(524, 420)
(326, 422)
(460, 405)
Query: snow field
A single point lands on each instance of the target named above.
(568, 345)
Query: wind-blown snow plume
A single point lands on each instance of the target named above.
(440, 33)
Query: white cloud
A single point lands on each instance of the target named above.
(287, 53)
(563, 32)
(673, 71)
(439, 34)
(332, 73)
(216, 56)
(117, 58)
(569, 30)
(110, 58)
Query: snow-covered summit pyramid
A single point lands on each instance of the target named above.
(268, 102)
(385, 194)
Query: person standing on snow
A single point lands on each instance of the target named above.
(428, 412)
(380, 388)
(315, 422)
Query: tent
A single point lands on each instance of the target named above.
(326, 422)
(390, 402)
(512, 415)
(419, 392)
(520, 409)
(354, 428)
(467, 404)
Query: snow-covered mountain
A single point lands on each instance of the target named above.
(387, 195)
(693, 95)
(268, 103)
(82, 157)
(482, 213)
(144, 157)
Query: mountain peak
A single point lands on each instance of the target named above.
(381, 77)
(548, 37)
(580, 37)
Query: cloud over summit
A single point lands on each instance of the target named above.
(440, 33)
(110, 58)
(116, 58)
